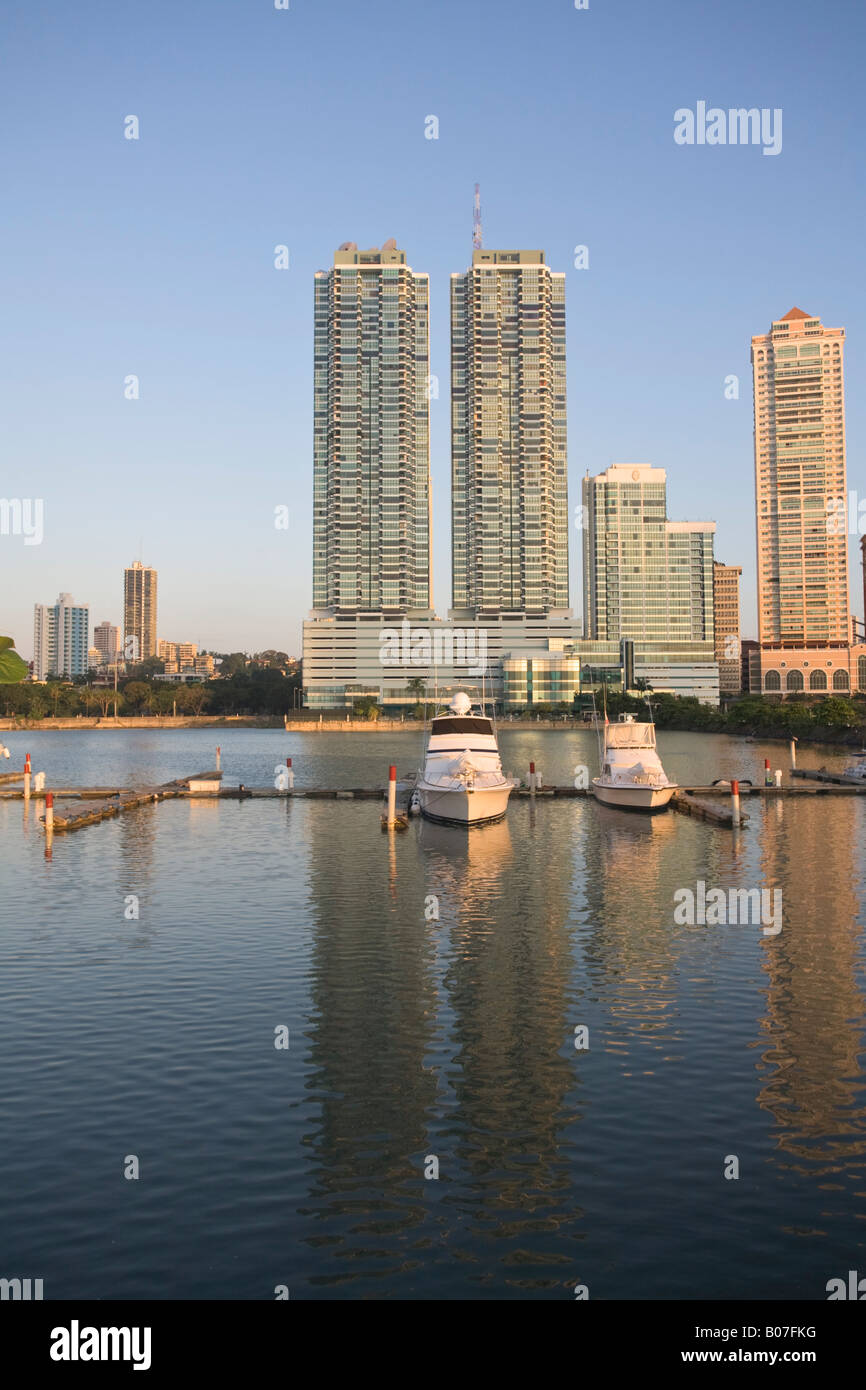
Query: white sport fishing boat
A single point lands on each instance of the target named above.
(462, 782)
(632, 776)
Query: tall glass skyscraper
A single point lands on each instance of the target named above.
(644, 577)
(509, 498)
(371, 505)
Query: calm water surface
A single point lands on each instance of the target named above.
(412, 1037)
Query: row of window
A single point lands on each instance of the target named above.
(794, 680)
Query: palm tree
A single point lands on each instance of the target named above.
(418, 686)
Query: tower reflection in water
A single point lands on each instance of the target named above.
(509, 1094)
(812, 1031)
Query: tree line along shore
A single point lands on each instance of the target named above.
(266, 698)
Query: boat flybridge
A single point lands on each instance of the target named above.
(632, 776)
(462, 782)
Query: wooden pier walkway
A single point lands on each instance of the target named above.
(118, 802)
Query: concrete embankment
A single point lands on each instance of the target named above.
(130, 721)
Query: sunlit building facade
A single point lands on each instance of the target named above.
(804, 622)
(644, 577)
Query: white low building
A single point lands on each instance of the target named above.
(514, 660)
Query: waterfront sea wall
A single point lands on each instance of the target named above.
(187, 721)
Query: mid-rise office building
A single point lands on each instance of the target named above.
(726, 611)
(371, 503)
(139, 611)
(509, 498)
(644, 577)
(61, 639)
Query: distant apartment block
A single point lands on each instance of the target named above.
(181, 658)
(509, 489)
(139, 610)
(61, 639)
(176, 651)
(726, 609)
(106, 639)
(644, 577)
(371, 464)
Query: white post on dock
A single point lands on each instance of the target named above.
(532, 778)
(26, 776)
(778, 777)
(735, 803)
(392, 795)
(793, 753)
(219, 754)
(290, 774)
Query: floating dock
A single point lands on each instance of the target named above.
(685, 803)
(837, 780)
(114, 801)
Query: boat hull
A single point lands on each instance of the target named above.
(467, 806)
(648, 799)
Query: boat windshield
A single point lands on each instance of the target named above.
(461, 724)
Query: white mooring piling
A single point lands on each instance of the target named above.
(49, 813)
(532, 777)
(768, 777)
(778, 777)
(793, 752)
(26, 775)
(735, 803)
(392, 795)
(290, 775)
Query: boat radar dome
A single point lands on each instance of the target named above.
(461, 704)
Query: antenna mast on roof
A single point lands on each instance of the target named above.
(476, 220)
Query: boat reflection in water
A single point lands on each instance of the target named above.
(470, 866)
(466, 872)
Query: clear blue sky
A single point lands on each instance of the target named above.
(306, 127)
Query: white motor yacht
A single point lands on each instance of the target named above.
(462, 782)
(632, 776)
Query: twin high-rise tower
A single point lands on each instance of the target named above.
(371, 505)
(509, 490)
(372, 523)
